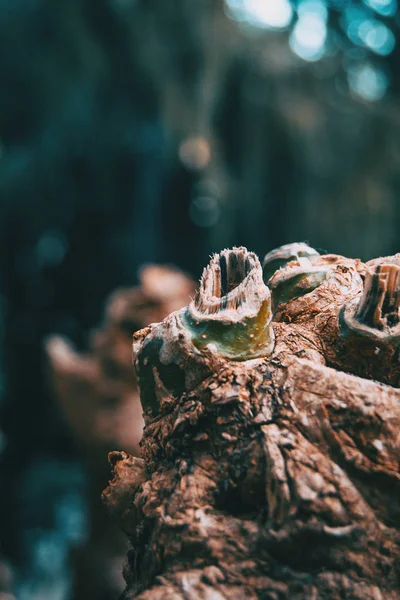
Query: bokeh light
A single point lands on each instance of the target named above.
(308, 37)
(51, 248)
(386, 8)
(204, 211)
(377, 37)
(368, 81)
(276, 14)
(364, 30)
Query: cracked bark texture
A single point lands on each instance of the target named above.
(98, 396)
(274, 477)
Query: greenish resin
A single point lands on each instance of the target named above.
(296, 286)
(251, 337)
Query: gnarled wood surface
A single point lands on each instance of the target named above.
(268, 478)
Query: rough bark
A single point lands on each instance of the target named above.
(98, 396)
(271, 477)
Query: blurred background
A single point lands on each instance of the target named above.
(160, 131)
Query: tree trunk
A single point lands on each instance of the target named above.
(270, 456)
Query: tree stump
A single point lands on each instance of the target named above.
(270, 456)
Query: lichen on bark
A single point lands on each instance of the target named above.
(275, 477)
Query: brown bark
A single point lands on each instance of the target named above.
(271, 477)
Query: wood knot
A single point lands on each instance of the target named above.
(231, 313)
(228, 285)
(377, 312)
(283, 255)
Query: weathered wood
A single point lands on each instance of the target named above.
(275, 477)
